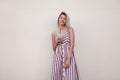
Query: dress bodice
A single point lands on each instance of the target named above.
(64, 36)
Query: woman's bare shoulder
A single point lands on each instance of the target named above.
(54, 32)
(71, 28)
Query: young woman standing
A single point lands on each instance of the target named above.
(64, 64)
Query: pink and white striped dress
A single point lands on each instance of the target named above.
(59, 58)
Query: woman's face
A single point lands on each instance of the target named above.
(62, 20)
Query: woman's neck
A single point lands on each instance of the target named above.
(61, 27)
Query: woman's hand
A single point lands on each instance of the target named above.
(58, 41)
(67, 63)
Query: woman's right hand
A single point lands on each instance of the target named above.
(58, 41)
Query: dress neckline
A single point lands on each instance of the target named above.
(59, 31)
(64, 33)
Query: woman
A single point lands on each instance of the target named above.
(64, 64)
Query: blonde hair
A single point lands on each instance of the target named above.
(67, 25)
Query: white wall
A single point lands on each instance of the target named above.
(25, 38)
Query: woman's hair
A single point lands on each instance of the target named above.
(67, 19)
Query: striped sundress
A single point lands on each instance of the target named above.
(59, 58)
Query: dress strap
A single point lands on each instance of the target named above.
(68, 29)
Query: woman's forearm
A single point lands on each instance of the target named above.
(70, 51)
(54, 47)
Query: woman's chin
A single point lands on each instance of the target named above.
(62, 24)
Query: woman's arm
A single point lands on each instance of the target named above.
(53, 41)
(72, 41)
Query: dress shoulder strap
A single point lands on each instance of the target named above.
(68, 29)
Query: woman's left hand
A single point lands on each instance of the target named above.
(67, 63)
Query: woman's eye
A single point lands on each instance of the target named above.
(61, 18)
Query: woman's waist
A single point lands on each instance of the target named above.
(64, 43)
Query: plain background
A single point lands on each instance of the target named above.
(25, 38)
